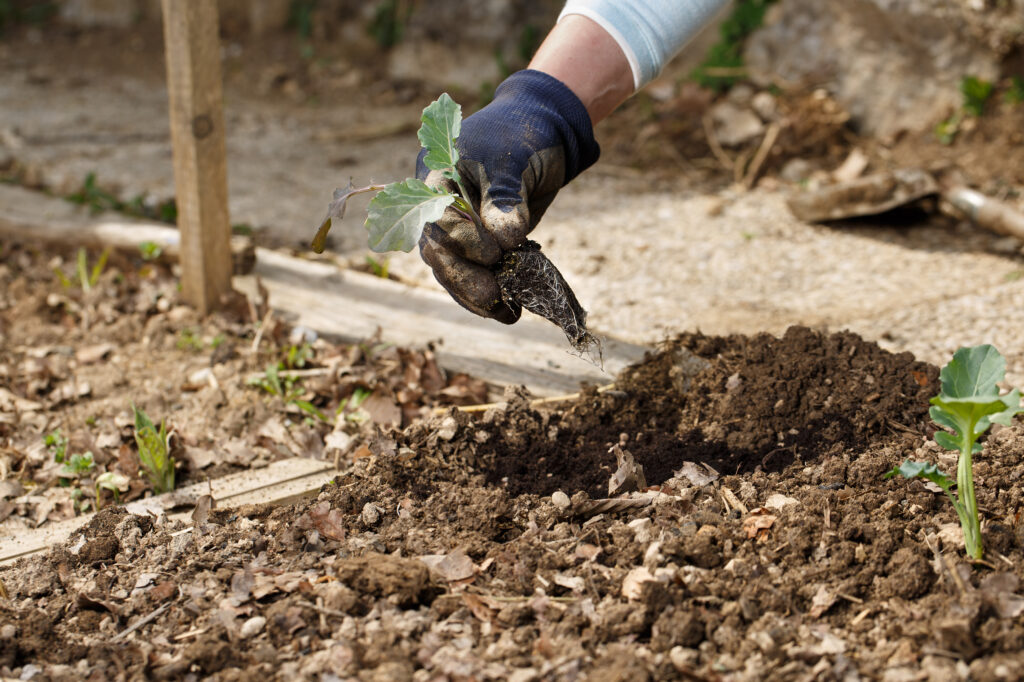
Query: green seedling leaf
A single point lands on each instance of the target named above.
(976, 93)
(114, 482)
(336, 210)
(967, 405)
(311, 409)
(396, 216)
(77, 465)
(57, 444)
(83, 270)
(97, 268)
(150, 250)
(969, 401)
(910, 469)
(154, 457)
(442, 122)
(973, 372)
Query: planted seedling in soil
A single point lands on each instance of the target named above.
(399, 210)
(968, 403)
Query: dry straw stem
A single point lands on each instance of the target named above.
(537, 402)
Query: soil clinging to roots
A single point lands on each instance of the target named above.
(527, 277)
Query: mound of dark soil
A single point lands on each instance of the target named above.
(738, 403)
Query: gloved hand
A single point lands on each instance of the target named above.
(515, 154)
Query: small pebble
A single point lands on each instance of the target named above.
(252, 627)
(371, 514)
(560, 500)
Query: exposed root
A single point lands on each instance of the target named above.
(527, 277)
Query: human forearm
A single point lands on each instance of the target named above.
(587, 59)
(604, 50)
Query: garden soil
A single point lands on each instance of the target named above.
(762, 544)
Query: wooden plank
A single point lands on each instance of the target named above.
(281, 482)
(34, 216)
(197, 136)
(352, 306)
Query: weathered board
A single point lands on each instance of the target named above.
(353, 305)
(279, 483)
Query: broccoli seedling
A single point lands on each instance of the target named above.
(968, 403)
(399, 210)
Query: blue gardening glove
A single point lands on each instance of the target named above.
(516, 153)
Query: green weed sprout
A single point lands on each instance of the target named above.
(150, 250)
(84, 277)
(968, 403)
(287, 388)
(114, 482)
(77, 466)
(57, 445)
(976, 93)
(154, 457)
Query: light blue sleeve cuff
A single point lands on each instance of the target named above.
(650, 32)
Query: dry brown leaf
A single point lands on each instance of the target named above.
(330, 523)
(629, 476)
(92, 354)
(164, 590)
(198, 458)
(201, 513)
(9, 402)
(779, 502)
(758, 523)
(478, 608)
(570, 582)
(695, 474)
(452, 567)
(382, 408)
(242, 583)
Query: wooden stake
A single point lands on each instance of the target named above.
(197, 135)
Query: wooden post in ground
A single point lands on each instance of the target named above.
(192, 46)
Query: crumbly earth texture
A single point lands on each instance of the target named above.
(766, 545)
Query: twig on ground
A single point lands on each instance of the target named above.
(860, 616)
(142, 622)
(259, 332)
(954, 575)
(194, 632)
(294, 373)
(770, 136)
(537, 402)
(716, 148)
(734, 501)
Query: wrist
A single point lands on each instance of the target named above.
(588, 60)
